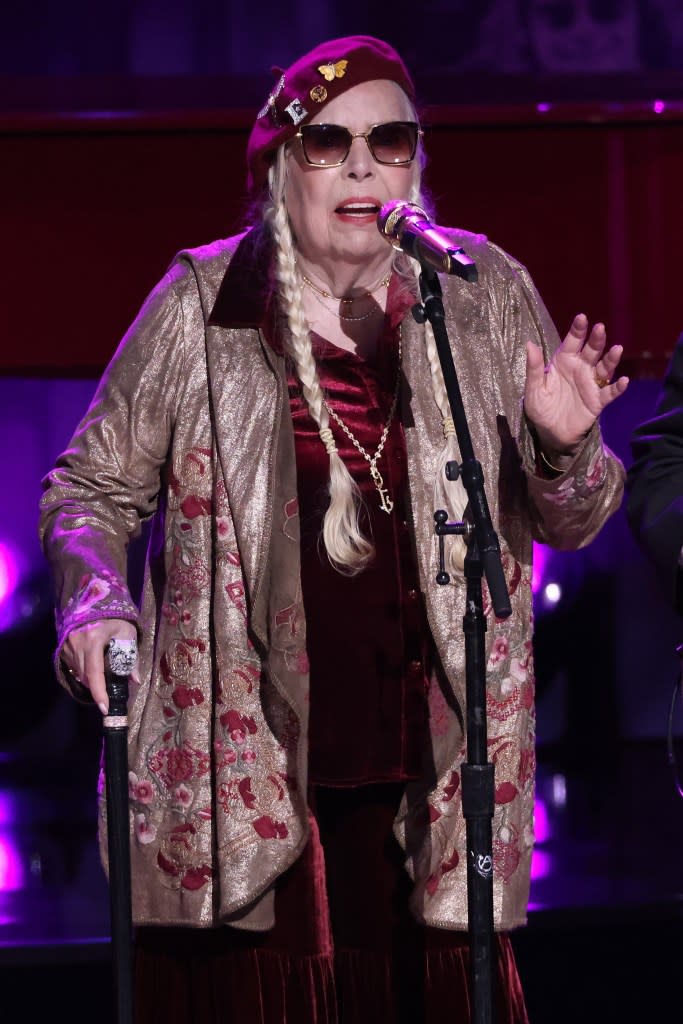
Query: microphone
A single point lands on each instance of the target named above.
(407, 228)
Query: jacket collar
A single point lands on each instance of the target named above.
(246, 294)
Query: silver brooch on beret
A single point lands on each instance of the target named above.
(269, 107)
(296, 111)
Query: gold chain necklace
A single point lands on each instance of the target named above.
(348, 316)
(384, 283)
(321, 293)
(385, 502)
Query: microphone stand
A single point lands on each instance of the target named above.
(483, 558)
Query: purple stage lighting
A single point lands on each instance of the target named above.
(9, 578)
(540, 562)
(11, 867)
(9, 571)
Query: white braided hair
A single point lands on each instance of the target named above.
(348, 550)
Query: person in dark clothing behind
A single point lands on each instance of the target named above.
(655, 482)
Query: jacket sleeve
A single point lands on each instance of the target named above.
(108, 479)
(655, 482)
(566, 510)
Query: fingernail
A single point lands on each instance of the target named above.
(103, 708)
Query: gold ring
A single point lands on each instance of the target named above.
(602, 382)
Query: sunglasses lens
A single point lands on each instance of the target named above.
(325, 144)
(393, 143)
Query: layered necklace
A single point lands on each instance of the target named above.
(320, 294)
(385, 501)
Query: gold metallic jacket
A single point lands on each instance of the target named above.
(191, 426)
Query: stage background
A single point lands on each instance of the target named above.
(553, 126)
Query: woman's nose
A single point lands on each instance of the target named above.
(359, 163)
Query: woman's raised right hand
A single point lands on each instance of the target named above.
(83, 654)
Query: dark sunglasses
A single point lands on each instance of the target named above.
(328, 145)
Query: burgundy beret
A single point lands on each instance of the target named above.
(312, 81)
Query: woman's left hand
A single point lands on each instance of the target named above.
(563, 399)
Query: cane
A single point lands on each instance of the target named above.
(120, 657)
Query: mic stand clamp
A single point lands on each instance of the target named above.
(482, 559)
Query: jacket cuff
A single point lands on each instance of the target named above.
(582, 475)
(550, 467)
(100, 596)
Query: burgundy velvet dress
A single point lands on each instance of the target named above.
(345, 948)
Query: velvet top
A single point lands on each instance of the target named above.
(366, 635)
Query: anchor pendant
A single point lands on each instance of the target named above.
(385, 503)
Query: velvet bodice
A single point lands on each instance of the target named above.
(366, 633)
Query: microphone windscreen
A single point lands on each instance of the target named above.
(393, 212)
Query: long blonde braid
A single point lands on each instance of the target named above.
(348, 550)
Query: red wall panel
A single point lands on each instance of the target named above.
(93, 209)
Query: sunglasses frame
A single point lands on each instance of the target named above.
(362, 135)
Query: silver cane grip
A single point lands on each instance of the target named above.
(122, 656)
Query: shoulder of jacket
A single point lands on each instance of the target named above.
(204, 264)
(491, 260)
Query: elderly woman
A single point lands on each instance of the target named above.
(297, 719)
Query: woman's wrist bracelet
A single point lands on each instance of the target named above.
(549, 464)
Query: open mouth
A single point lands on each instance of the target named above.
(362, 209)
(358, 209)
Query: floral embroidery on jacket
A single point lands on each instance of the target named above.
(596, 470)
(100, 595)
(582, 484)
(564, 495)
